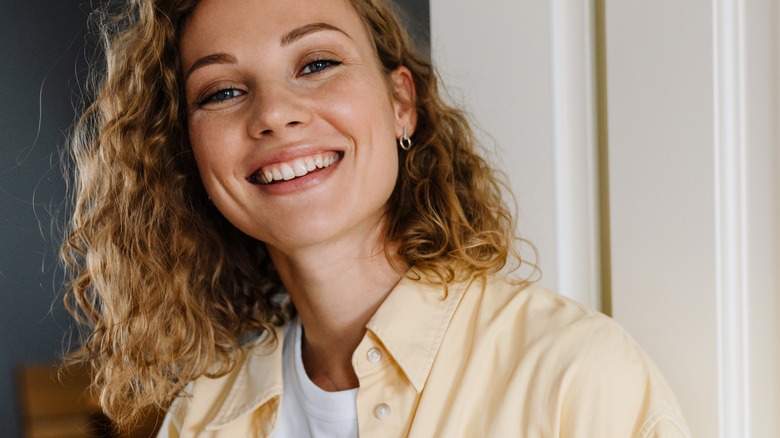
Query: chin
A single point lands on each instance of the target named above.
(321, 234)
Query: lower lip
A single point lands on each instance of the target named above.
(300, 183)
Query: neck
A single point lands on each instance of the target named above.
(336, 289)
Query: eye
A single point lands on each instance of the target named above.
(222, 96)
(318, 66)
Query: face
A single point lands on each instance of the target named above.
(292, 122)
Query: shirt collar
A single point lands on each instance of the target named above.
(410, 323)
(412, 320)
(257, 380)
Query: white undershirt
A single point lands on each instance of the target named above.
(307, 410)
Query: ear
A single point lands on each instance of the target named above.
(404, 101)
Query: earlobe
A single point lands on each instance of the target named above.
(404, 101)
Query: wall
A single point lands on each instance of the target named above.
(525, 73)
(416, 17)
(661, 131)
(693, 111)
(683, 132)
(495, 61)
(39, 45)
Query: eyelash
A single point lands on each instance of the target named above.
(316, 66)
(323, 63)
(215, 97)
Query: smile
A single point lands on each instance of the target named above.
(296, 168)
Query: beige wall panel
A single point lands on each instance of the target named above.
(660, 82)
(762, 118)
(494, 57)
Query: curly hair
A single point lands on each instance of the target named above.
(165, 287)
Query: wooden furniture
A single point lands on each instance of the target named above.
(58, 404)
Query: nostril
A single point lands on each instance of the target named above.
(270, 131)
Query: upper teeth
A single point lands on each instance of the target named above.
(295, 168)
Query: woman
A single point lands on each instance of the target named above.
(280, 225)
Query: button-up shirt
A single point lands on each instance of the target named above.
(486, 357)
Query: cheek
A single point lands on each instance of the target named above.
(213, 138)
(212, 154)
(203, 158)
(362, 99)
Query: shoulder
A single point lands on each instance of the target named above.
(546, 325)
(535, 312)
(580, 357)
(540, 315)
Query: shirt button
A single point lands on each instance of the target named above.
(374, 355)
(382, 411)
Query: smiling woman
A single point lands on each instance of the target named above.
(268, 90)
(280, 229)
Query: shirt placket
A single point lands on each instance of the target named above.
(386, 399)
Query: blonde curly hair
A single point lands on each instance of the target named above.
(164, 285)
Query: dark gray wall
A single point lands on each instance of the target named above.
(417, 19)
(41, 54)
(39, 44)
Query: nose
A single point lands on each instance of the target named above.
(277, 107)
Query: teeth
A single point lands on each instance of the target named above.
(287, 172)
(300, 168)
(296, 168)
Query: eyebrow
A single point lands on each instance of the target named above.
(300, 32)
(217, 58)
(287, 39)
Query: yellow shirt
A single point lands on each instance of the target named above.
(484, 358)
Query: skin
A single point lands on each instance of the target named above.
(267, 81)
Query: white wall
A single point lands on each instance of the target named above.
(495, 83)
(762, 120)
(661, 136)
(693, 151)
(496, 59)
(693, 112)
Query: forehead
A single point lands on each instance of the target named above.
(219, 25)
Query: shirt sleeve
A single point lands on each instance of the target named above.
(664, 425)
(612, 389)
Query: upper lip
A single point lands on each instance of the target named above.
(289, 153)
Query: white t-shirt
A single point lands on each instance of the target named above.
(307, 410)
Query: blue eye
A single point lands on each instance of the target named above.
(318, 66)
(222, 96)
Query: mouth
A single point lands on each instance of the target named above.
(297, 168)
